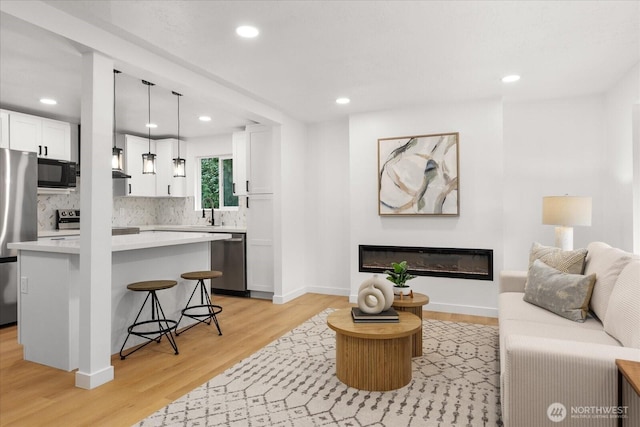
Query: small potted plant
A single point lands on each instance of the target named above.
(399, 277)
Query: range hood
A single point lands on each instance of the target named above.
(115, 174)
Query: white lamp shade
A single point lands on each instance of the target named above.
(566, 210)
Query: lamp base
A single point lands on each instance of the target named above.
(564, 238)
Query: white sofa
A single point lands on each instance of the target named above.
(547, 359)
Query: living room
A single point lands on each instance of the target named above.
(512, 153)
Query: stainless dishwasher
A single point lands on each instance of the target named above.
(229, 256)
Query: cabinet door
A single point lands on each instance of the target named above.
(260, 173)
(56, 139)
(239, 152)
(25, 133)
(139, 184)
(260, 243)
(4, 129)
(166, 184)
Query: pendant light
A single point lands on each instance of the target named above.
(149, 159)
(179, 170)
(117, 162)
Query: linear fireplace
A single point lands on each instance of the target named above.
(440, 262)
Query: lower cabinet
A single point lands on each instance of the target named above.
(260, 272)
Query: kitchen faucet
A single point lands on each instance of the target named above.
(212, 221)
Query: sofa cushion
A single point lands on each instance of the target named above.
(512, 306)
(622, 320)
(606, 263)
(565, 261)
(564, 294)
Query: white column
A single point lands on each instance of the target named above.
(95, 233)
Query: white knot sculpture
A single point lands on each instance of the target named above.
(375, 295)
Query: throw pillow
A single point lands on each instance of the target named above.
(564, 294)
(565, 261)
(622, 320)
(606, 263)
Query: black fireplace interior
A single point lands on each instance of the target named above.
(440, 262)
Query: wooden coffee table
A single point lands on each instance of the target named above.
(373, 356)
(413, 305)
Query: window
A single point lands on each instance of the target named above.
(216, 183)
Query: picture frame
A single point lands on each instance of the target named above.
(419, 175)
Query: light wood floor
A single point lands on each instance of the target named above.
(35, 395)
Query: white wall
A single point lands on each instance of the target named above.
(481, 180)
(618, 191)
(551, 148)
(326, 198)
(289, 227)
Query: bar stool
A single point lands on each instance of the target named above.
(164, 325)
(205, 300)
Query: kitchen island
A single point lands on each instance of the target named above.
(48, 298)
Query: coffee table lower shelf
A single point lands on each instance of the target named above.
(373, 356)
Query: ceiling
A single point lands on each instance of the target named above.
(380, 54)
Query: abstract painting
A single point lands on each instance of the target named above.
(418, 175)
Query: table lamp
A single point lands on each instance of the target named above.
(566, 212)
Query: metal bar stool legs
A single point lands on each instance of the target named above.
(163, 326)
(207, 310)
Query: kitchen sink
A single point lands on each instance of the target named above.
(119, 231)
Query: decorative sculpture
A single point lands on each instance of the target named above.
(375, 295)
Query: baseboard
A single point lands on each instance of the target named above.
(95, 379)
(283, 299)
(462, 309)
(328, 291)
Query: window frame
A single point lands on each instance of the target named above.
(198, 182)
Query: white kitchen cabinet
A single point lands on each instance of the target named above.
(260, 250)
(4, 129)
(48, 138)
(239, 153)
(166, 184)
(260, 150)
(143, 185)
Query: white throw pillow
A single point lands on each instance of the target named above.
(622, 320)
(607, 263)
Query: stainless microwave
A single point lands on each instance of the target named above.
(56, 173)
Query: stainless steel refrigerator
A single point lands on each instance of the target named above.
(18, 221)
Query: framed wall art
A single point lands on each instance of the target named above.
(418, 175)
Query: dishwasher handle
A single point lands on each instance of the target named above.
(233, 240)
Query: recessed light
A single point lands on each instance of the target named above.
(48, 101)
(247, 31)
(204, 118)
(511, 78)
(343, 101)
(151, 125)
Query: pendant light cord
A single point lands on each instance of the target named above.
(115, 72)
(178, 95)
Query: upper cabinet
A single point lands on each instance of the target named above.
(239, 153)
(166, 184)
(163, 183)
(46, 137)
(139, 184)
(253, 161)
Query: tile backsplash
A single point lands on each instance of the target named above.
(133, 211)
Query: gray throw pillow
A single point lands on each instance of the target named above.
(565, 261)
(564, 294)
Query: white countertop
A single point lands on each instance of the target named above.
(148, 239)
(145, 228)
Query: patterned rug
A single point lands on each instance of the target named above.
(292, 382)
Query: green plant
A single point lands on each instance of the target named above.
(399, 275)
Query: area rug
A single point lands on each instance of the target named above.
(292, 382)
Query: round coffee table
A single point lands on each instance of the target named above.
(413, 305)
(373, 356)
